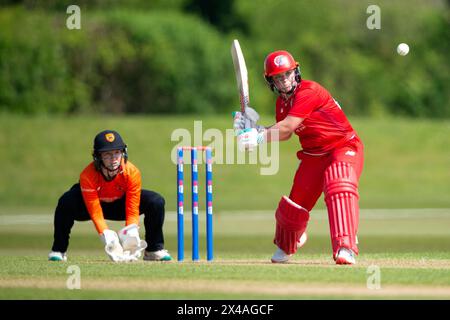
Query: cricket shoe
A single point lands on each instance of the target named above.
(345, 256)
(57, 256)
(282, 257)
(160, 255)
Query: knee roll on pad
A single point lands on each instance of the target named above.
(341, 197)
(292, 221)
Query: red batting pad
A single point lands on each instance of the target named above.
(292, 220)
(341, 197)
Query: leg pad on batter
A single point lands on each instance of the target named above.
(341, 197)
(292, 221)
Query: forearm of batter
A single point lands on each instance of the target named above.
(282, 130)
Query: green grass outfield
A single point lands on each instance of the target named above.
(410, 248)
(406, 161)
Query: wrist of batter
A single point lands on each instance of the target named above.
(261, 137)
(271, 135)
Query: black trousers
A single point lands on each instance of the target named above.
(71, 208)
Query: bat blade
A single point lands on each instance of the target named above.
(240, 70)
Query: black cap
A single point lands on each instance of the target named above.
(108, 140)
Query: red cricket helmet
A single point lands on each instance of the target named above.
(278, 62)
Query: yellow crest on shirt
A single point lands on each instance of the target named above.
(110, 137)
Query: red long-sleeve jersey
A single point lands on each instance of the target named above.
(325, 125)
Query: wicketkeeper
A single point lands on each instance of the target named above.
(331, 159)
(110, 189)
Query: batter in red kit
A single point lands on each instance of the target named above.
(331, 159)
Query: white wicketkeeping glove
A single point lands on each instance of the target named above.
(113, 248)
(248, 139)
(245, 120)
(131, 242)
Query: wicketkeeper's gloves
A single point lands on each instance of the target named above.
(113, 248)
(131, 242)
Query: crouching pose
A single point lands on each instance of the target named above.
(331, 159)
(110, 189)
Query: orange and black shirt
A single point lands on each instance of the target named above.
(95, 189)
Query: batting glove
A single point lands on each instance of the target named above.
(249, 139)
(245, 120)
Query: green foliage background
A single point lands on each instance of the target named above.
(174, 56)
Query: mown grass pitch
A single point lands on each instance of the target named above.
(409, 249)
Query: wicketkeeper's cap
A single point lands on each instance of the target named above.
(108, 140)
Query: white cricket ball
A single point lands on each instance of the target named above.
(402, 49)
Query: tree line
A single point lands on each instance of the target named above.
(173, 56)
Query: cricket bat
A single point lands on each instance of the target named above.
(240, 70)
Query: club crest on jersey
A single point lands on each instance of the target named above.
(280, 61)
(110, 137)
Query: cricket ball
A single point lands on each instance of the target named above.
(402, 49)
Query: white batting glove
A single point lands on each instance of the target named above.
(248, 139)
(252, 116)
(245, 120)
(238, 121)
(131, 242)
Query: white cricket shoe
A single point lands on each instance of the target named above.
(160, 255)
(345, 256)
(281, 257)
(57, 256)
